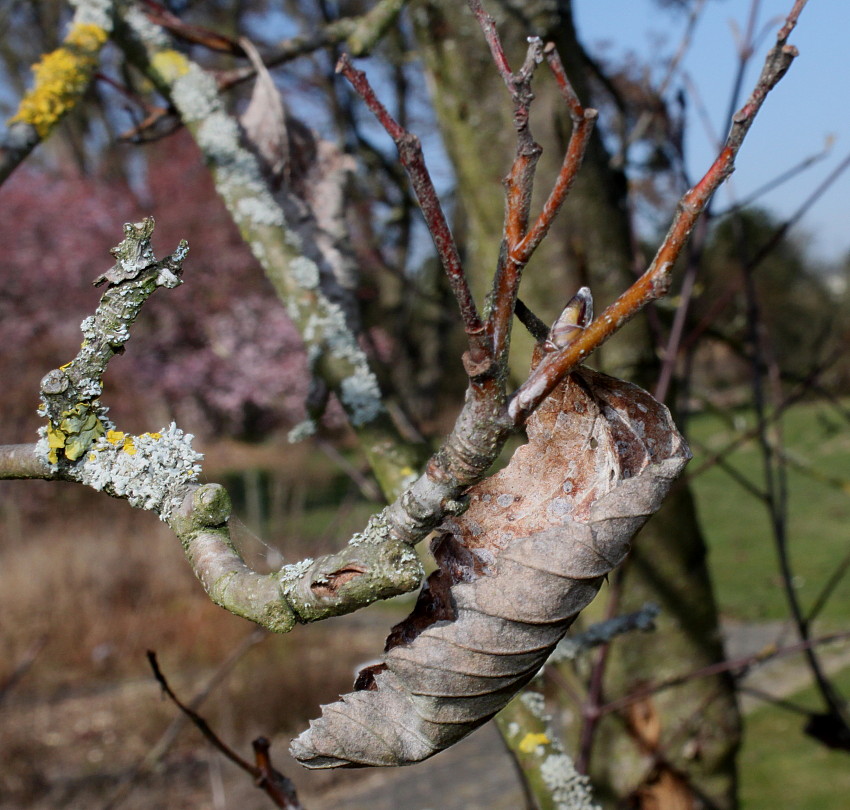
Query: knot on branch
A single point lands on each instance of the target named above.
(211, 505)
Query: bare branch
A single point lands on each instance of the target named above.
(359, 34)
(23, 461)
(278, 788)
(410, 154)
(738, 667)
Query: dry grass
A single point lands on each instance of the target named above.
(103, 584)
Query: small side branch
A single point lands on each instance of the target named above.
(359, 35)
(278, 788)
(519, 242)
(410, 154)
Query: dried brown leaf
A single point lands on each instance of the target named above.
(531, 551)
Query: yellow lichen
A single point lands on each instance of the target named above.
(67, 365)
(61, 77)
(170, 65)
(128, 444)
(530, 741)
(78, 428)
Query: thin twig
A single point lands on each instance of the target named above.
(23, 666)
(591, 708)
(583, 121)
(831, 584)
(723, 300)
(410, 154)
(802, 389)
(276, 786)
(780, 179)
(488, 27)
(738, 667)
(169, 736)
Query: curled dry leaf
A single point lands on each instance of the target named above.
(264, 120)
(515, 570)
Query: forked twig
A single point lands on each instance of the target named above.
(278, 788)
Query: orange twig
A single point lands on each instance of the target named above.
(655, 282)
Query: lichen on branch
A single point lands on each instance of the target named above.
(79, 441)
(61, 78)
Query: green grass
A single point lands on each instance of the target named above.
(742, 552)
(781, 767)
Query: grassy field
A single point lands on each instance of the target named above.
(781, 767)
(742, 550)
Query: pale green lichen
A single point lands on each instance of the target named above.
(153, 35)
(566, 787)
(361, 396)
(377, 532)
(194, 91)
(304, 272)
(292, 573)
(303, 430)
(70, 434)
(569, 789)
(534, 702)
(150, 471)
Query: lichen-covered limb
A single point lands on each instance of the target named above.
(298, 236)
(69, 394)
(61, 79)
(549, 773)
(358, 34)
(79, 442)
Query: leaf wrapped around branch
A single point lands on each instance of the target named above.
(515, 570)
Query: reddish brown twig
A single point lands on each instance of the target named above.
(583, 121)
(519, 242)
(488, 27)
(655, 282)
(158, 14)
(519, 185)
(276, 786)
(410, 154)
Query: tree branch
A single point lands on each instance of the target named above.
(61, 80)
(655, 282)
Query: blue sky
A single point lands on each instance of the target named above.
(811, 103)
